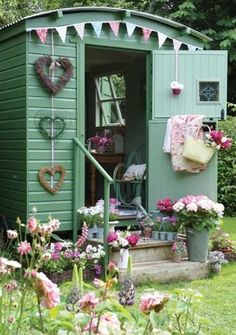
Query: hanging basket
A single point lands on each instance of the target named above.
(196, 150)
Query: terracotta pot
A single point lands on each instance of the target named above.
(147, 232)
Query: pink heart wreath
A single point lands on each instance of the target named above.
(46, 61)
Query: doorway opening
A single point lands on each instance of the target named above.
(115, 112)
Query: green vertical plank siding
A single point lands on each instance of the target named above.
(60, 204)
(12, 128)
(164, 182)
(193, 66)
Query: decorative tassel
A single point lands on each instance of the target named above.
(127, 292)
(84, 236)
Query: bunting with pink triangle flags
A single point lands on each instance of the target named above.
(146, 33)
(62, 32)
(79, 27)
(115, 26)
(42, 34)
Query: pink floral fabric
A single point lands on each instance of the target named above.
(184, 126)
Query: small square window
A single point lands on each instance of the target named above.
(209, 91)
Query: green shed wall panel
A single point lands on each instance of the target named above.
(40, 102)
(13, 127)
(164, 182)
(192, 67)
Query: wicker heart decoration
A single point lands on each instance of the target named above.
(47, 62)
(51, 172)
(46, 124)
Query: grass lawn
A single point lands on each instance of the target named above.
(219, 291)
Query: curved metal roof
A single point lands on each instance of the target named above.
(133, 13)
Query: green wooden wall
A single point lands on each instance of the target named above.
(13, 190)
(60, 204)
(192, 67)
(164, 182)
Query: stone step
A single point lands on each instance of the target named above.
(167, 271)
(145, 251)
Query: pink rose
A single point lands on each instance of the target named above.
(112, 236)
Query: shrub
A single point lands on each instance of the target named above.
(227, 169)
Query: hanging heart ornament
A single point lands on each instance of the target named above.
(46, 62)
(51, 172)
(51, 128)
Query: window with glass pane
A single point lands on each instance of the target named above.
(209, 91)
(110, 100)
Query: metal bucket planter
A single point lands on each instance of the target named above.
(155, 234)
(92, 232)
(162, 235)
(170, 236)
(197, 244)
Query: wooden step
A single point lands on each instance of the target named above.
(167, 271)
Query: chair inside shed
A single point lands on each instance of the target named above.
(116, 108)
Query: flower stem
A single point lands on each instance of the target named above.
(40, 315)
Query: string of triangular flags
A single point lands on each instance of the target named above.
(115, 26)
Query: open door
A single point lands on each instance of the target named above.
(204, 76)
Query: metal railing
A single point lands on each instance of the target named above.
(107, 182)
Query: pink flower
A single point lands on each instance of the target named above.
(88, 302)
(153, 300)
(32, 224)
(24, 248)
(133, 239)
(54, 224)
(192, 207)
(165, 205)
(47, 290)
(112, 236)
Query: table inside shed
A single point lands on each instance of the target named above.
(103, 159)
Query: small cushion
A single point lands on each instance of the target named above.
(134, 171)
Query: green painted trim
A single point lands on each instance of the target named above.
(106, 220)
(149, 73)
(27, 123)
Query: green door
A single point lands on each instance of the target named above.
(204, 76)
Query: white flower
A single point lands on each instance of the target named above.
(176, 84)
(178, 206)
(191, 207)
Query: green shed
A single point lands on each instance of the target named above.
(68, 74)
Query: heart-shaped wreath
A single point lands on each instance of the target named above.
(46, 123)
(52, 171)
(46, 61)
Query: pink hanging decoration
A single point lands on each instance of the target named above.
(115, 27)
(42, 34)
(84, 235)
(146, 33)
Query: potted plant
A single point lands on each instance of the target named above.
(92, 217)
(198, 215)
(100, 142)
(122, 240)
(167, 218)
(179, 249)
(216, 259)
(146, 224)
(176, 87)
(220, 241)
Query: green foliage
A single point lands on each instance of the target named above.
(227, 169)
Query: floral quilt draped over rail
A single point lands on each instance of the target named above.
(178, 128)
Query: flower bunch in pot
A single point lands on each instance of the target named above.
(100, 142)
(167, 218)
(216, 259)
(146, 224)
(122, 240)
(179, 250)
(198, 215)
